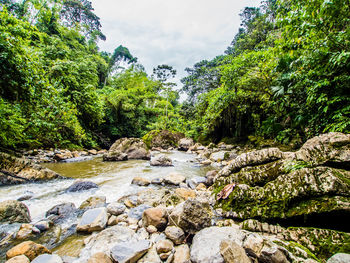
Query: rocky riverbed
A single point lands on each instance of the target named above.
(211, 204)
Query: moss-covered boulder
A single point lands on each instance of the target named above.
(14, 212)
(134, 148)
(15, 170)
(162, 139)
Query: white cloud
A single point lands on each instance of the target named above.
(175, 32)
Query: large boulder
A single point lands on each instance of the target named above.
(19, 170)
(162, 139)
(14, 212)
(60, 212)
(161, 160)
(28, 248)
(93, 220)
(134, 149)
(339, 258)
(115, 156)
(191, 215)
(185, 144)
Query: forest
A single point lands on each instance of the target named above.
(285, 77)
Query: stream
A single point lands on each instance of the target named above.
(114, 180)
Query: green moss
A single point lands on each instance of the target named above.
(147, 139)
(292, 246)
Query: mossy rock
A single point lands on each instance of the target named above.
(162, 138)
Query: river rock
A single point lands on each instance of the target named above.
(155, 216)
(100, 257)
(195, 181)
(25, 231)
(14, 212)
(151, 256)
(61, 212)
(151, 229)
(137, 212)
(115, 156)
(175, 234)
(106, 239)
(43, 225)
(185, 144)
(191, 215)
(93, 202)
(140, 181)
(339, 258)
(182, 254)
(134, 148)
(206, 243)
(20, 170)
(162, 139)
(164, 246)
(47, 258)
(129, 251)
(210, 176)
(232, 252)
(116, 209)
(174, 179)
(18, 259)
(28, 248)
(161, 160)
(151, 197)
(80, 185)
(185, 193)
(93, 220)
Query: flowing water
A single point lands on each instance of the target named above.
(113, 178)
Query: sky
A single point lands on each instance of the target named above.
(178, 33)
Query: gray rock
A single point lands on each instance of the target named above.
(175, 234)
(140, 181)
(129, 252)
(48, 258)
(185, 144)
(80, 185)
(151, 256)
(115, 156)
(206, 243)
(137, 212)
(157, 181)
(93, 202)
(182, 254)
(174, 179)
(93, 220)
(232, 252)
(218, 156)
(134, 148)
(191, 215)
(61, 212)
(14, 212)
(193, 182)
(116, 209)
(161, 160)
(339, 258)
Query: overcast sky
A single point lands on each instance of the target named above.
(174, 32)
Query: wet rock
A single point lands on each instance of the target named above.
(93, 202)
(93, 220)
(339, 258)
(19, 170)
(25, 231)
(18, 259)
(185, 144)
(43, 225)
(47, 258)
(80, 185)
(140, 181)
(100, 257)
(137, 212)
(155, 216)
(134, 148)
(174, 179)
(206, 243)
(157, 181)
(28, 195)
(129, 251)
(195, 181)
(106, 239)
(54, 235)
(63, 155)
(161, 160)
(115, 156)
(60, 212)
(175, 234)
(116, 208)
(232, 252)
(14, 212)
(182, 254)
(28, 248)
(164, 246)
(184, 193)
(162, 139)
(92, 152)
(191, 215)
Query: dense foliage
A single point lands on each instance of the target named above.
(285, 75)
(58, 90)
